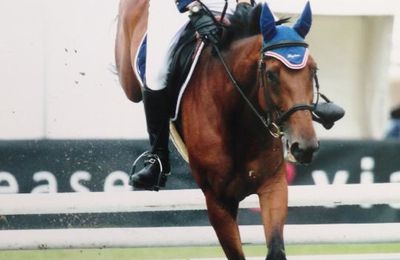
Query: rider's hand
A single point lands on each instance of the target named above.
(205, 25)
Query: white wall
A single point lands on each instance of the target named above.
(353, 57)
(80, 39)
(21, 69)
(45, 48)
(57, 62)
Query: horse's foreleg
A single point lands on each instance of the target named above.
(273, 201)
(222, 215)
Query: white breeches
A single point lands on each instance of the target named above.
(165, 24)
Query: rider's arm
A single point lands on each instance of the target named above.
(183, 5)
(203, 20)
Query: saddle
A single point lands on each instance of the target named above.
(182, 62)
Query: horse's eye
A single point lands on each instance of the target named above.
(272, 78)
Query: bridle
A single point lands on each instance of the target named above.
(324, 113)
(276, 116)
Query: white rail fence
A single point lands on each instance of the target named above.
(141, 201)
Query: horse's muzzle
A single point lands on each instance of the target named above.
(303, 152)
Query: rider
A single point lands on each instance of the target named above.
(163, 33)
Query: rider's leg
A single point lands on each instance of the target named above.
(156, 163)
(161, 37)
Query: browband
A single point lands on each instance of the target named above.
(284, 45)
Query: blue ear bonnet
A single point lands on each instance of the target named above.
(283, 42)
(294, 57)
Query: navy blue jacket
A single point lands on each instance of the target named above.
(181, 4)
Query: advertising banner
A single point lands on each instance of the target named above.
(103, 165)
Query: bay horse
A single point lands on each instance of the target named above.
(235, 110)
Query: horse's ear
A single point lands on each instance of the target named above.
(254, 19)
(303, 24)
(267, 23)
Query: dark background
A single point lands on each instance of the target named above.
(100, 158)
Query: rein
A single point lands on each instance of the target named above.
(272, 127)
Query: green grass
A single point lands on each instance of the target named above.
(343, 249)
(190, 252)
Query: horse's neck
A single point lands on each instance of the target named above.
(243, 60)
(214, 101)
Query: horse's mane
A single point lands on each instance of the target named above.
(244, 23)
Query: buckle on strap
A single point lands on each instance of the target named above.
(275, 130)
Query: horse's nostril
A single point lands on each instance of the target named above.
(294, 148)
(296, 151)
(303, 154)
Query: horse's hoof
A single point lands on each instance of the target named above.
(277, 255)
(276, 258)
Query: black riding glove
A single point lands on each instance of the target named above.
(206, 26)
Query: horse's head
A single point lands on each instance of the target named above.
(289, 89)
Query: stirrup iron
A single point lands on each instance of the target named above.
(155, 158)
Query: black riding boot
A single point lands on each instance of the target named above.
(156, 162)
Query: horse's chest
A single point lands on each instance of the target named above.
(259, 170)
